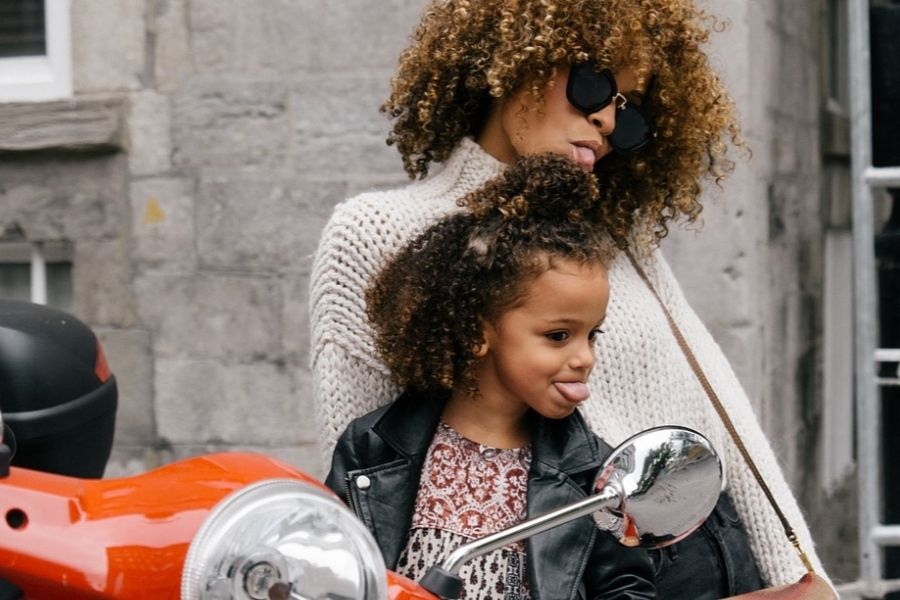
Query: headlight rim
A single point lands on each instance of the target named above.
(196, 558)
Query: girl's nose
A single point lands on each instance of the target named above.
(604, 119)
(583, 356)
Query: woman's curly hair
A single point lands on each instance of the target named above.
(466, 52)
(429, 303)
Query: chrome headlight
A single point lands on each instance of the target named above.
(282, 538)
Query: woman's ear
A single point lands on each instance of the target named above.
(481, 350)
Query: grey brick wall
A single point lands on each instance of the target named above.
(246, 123)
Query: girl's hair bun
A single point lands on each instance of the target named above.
(545, 187)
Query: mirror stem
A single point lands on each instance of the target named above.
(609, 497)
(441, 579)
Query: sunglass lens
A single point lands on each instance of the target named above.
(633, 131)
(589, 90)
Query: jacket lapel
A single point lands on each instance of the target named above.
(407, 427)
(565, 457)
(388, 503)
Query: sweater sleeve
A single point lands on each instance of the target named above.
(348, 378)
(777, 558)
(344, 387)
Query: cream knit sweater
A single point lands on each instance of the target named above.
(641, 378)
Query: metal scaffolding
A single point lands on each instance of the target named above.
(873, 534)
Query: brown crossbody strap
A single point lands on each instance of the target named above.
(726, 420)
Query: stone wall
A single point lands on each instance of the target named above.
(192, 172)
(760, 242)
(248, 122)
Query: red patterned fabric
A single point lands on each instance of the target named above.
(467, 491)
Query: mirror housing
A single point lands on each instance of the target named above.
(669, 480)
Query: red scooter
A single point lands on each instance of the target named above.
(249, 527)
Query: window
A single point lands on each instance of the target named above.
(39, 272)
(22, 29)
(35, 50)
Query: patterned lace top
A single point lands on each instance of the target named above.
(467, 491)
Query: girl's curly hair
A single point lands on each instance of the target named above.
(429, 303)
(466, 52)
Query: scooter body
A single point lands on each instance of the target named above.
(118, 538)
(66, 538)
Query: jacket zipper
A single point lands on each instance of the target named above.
(350, 500)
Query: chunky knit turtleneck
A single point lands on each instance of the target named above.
(641, 378)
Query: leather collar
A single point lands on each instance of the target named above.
(565, 445)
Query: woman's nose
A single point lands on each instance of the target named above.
(604, 119)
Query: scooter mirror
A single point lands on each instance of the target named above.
(668, 480)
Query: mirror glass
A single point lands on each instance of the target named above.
(668, 479)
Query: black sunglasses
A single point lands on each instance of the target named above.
(590, 90)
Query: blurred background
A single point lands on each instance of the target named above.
(166, 167)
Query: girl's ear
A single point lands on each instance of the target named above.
(481, 349)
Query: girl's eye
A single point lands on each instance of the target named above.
(594, 333)
(558, 336)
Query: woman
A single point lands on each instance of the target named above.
(624, 88)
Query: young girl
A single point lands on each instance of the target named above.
(489, 321)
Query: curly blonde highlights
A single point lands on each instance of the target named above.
(465, 53)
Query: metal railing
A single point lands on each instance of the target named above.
(873, 535)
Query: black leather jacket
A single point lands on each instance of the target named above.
(575, 560)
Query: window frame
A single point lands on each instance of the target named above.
(42, 77)
(38, 257)
(837, 451)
